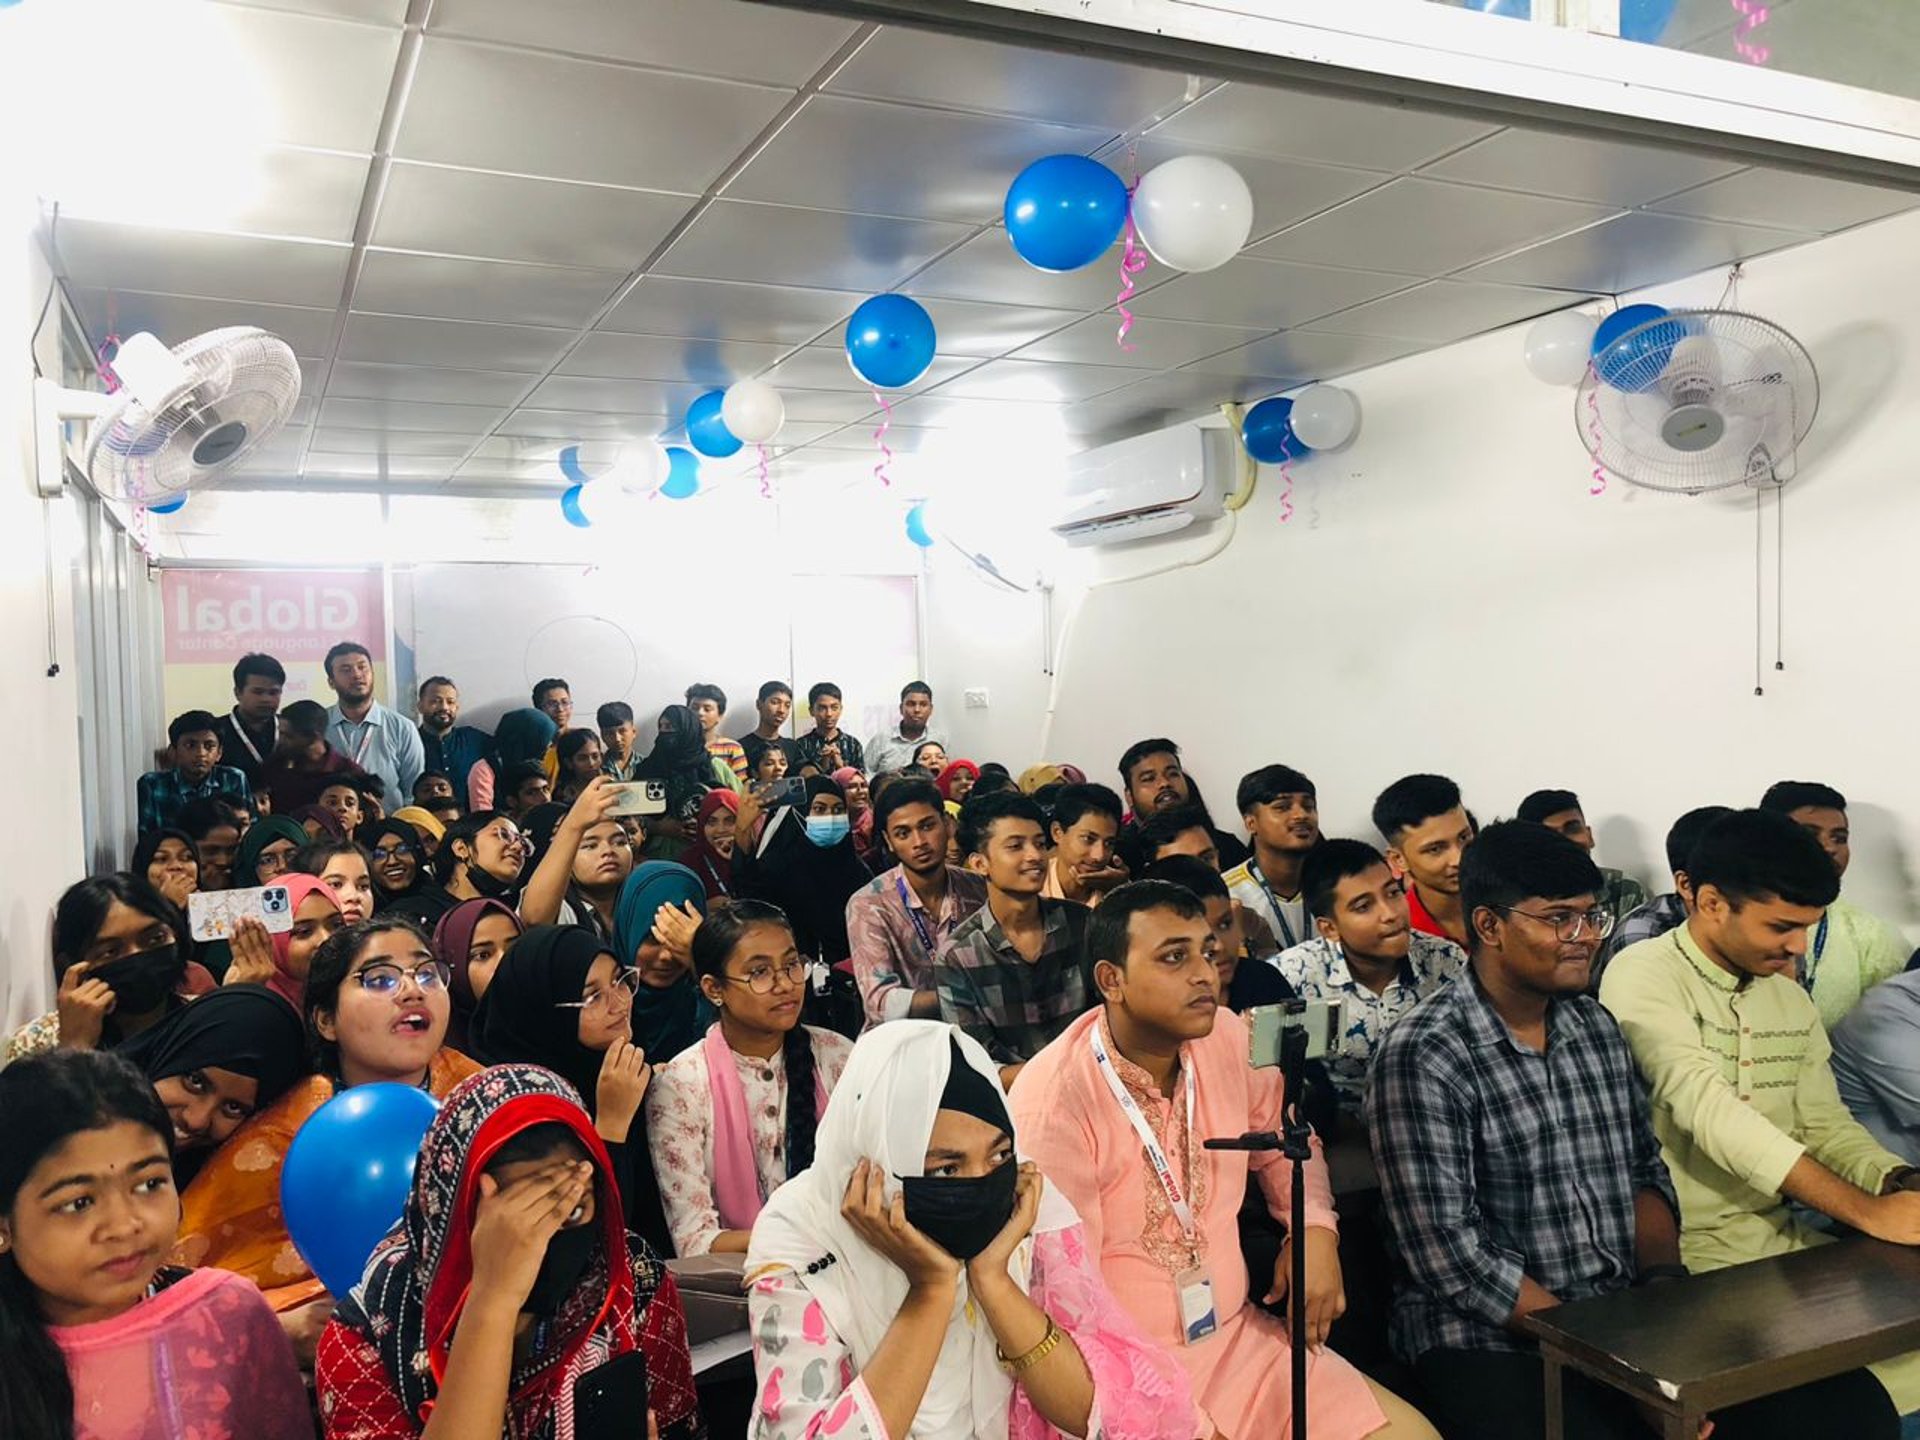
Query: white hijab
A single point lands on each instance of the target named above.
(883, 1109)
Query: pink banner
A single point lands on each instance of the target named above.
(213, 617)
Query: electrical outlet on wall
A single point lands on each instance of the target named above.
(976, 699)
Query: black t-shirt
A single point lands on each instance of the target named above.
(756, 747)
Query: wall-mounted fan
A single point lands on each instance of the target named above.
(1698, 400)
(181, 418)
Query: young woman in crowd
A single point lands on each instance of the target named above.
(101, 1338)
(805, 863)
(118, 965)
(960, 1299)
(522, 735)
(956, 780)
(771, 766)
(711, 857)
(562, 1000)
(581, 857)
(267, 851)
(931, 756)
(393, 854)
(730, 1119)
(581, 755)
(376, 1010)
(859, 810)
(511, 1275)
(482, 857)
(660, 907)
(348, 872)
(681, 760)
(169, 862)
(472, 939)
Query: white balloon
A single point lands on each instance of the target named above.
(605, 501)
(1325, 416)
(1193, 212)
(1559, 347)
(639, 470)
(753, 411)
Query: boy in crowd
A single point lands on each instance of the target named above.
(341, 799)
(1153, 779)
(1010, 974)
(1663, 912)
(1848, 950)
(446, 745)
(553, 697)
(523, 788)
(894, 751)
(303, 763)
(1561, 810)
(197, 774)
(774, 706)
(248, 732)
(1427, 829)
(709, 706)
(378, 740)
(896, 925)
(1281, 811)
(826, 748)
(433, 790)
(617, 732)
(1085, 825)
(1244, 981)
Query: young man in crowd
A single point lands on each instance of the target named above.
(553, 697)
(774, 707)
(1366, 956)
(433, 790)
(1244, 981)
(1876, 1063)
(303, 763)
(1848, 950)
(1561, 810)
(341, 799)
(1154, 779)
(1520, 1170)
(709, 706)
(215, 829)
(1663, 912)
(617, 734)
(247, 732)
(1281, 811)
(894, 751)
(826, 747)
(896, 925)
(1010, 974)
(447, 746)
(1186, 830)
(197, 774)
(1427, 828)
(524, 787)
(1085, 825)
(1114, 1111)
(372, 791)
(378, 740)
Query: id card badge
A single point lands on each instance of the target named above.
(1197, 1320)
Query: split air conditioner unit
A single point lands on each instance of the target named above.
(1147, 486)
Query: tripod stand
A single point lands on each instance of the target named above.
(1294, 1142)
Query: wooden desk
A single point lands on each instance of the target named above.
(1690, 1347)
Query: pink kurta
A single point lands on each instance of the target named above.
(1069, 1122)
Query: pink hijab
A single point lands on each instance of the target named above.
(289, 986)
(862, 824)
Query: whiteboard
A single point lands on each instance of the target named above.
(642, 636)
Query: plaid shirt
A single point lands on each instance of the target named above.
(1012, 1007)
(1497, 1161)
(806, 751)
(163, 794)
(1644, 922)
(891, 962)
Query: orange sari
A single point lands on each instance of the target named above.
(231, 1216)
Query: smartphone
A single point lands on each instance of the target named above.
(212, 914)
(610, 1401)
(639, 797)
(788, 790)
(1267, 1027)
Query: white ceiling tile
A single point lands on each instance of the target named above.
(708, 37)
(1259, 120)
(837, 406)
(1425, 227)
(1637, 249)
(966, 74)
(1038, 380)
(664, 357)
(949, 412)
(341, 441)
(536, 114)
(902, 439)
(826, 367)
(356, 380)
(1607, 172)
(179, 317)
(1192, 390)
(1306, 355)
(820, 249)
(373, 12)
(985, 331)
(986, 269)
(1284, 191)
(299, 194)
(327, 80)
(378, 467)
(878, 158)
(1443, 311)
(1158, 345)
(454, 344)
(183, 262)
(569, 425)
(407, 415)
(443, 288)
(514, 217)
(1790, 200)
(729, 310)
(628, 397)
(1264, 294)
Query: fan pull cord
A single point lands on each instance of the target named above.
(53, 620)
(1759, 604)
(1779, 577)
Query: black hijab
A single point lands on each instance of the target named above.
(369, 836)
(529, 1013)
(812, 883)
(680, 758)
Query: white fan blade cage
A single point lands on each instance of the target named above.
(240, 386)
(1699, 400)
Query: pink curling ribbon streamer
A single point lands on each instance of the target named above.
(1133, 259)
(766, 486)
(1286, 482)
(103, 359)
(1753, 15)
(880, 439)
(1599, 486)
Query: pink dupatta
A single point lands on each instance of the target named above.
(736, 1180)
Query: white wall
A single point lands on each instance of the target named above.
(1447, 596)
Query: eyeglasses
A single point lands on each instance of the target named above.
(625, 986)
(387, 852)
(1569, 925)
(765, 979)
(383, 977)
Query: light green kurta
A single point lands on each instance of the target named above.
(1860, 951)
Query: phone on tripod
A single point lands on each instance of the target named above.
(1268, 1027)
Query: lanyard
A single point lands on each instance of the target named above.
(240, 729)
(1814, 953)
(366, 740)
(1279, 911)
(918, 917)
(1156, 1157)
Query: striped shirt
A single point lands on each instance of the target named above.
(722, 747)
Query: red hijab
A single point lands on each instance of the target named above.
(955, 768)
(714, 869)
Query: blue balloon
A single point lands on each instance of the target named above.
(570, 507)
(570, 466)
(1268, 434)
(890, 341)
(346, 1176)
(1644, 21)
(1064, 212)
(1649, 340)
(169, 507)
(683, 474)
(917, 527)
(707, 431)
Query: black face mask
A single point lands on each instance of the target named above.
(142, 982)
(961, 1216)
(569, 1253)
(488, 886)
